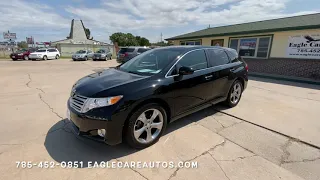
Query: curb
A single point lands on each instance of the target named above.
(285, 78)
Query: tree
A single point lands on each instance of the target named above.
(22, 44)
(162, 43)
(127, 39)
(143, 41)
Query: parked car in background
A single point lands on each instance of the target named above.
(45, 54)
(102, 54)
(127, 53)
(135, 101)
(21, 54)
(82, 55)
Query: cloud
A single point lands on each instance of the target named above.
(24, 14)
(132, 15)
(141, 17)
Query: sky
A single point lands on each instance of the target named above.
(50, 20)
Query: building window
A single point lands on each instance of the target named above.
(190, 43)
(248, 47)
(263, 47)
(217, 42)
(234, 44)
(252, 46)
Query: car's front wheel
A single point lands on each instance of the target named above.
(146, 126)
(26, 58)
(57, 56)
(235, 94)
(45, 58)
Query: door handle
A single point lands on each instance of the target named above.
(208, 77)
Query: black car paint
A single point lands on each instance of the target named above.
(180, 95)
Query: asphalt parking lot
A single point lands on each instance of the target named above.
(272, 134)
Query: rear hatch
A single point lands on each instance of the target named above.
(125, 53)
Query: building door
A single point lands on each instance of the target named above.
(217, 42)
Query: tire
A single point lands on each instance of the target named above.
(14, 59)
(57, 56)
(134, 125)
(26, 58)
(234, 94)
(86, 58)
(110, 58)
(45, 58)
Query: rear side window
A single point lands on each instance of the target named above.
(141, 50)
(217, 57)
(52, 50)
(124, 50)
(196, 60)
(233, 55)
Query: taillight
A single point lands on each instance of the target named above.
(247, 68)
(126, 54)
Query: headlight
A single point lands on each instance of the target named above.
(20, 54)
(92, 103)
(103, 55)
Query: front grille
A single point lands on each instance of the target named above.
(77, 102)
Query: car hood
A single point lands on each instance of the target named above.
(79, 54)
(95, 83)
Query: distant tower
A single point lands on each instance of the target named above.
(77, 31)
(161, 37)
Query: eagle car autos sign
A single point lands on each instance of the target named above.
(304, 46)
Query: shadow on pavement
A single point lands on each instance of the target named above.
(283, 82)
(63, 145)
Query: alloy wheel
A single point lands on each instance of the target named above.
(235, 93)
(148, 126)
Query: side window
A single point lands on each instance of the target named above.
(196, 60)
(217, 57)
(141, 50)
(233, 55)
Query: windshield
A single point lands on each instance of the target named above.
(100, 51)
(41, 50)
(151, 62)
(21, 51)
(124, 50)
(81, 52)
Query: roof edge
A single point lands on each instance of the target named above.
(248, 32)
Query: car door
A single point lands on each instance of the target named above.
(90, 54)
(191, 90)
(51, 53)
(220, 66)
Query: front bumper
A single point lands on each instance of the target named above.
(87, 126)
(16, 57)
(99, 57)
(78, 58)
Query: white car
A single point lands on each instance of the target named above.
(45, 54)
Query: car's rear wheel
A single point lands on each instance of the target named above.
(45, 58)
(14, 59)
(235, 94)
(26, 58)
(146, 126)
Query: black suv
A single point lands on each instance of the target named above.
(127, 53)
(137, 99)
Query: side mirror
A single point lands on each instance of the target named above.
(185, 70)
